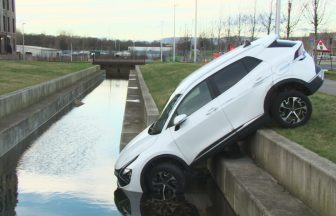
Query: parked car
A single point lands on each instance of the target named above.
(218, 105)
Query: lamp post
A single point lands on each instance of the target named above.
(174, 43)
(161, 51)
(23, 43)
(277, 17)
(195, 38)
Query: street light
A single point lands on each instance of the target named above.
(161, 51)
(174, 44)
(23, 43)
(195, 38)
(277, 17)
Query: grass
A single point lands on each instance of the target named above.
(16, 75)
(162, 79)
(330, 75)
(318, 134)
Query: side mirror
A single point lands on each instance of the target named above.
(178, 120)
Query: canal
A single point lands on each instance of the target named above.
(69, 169)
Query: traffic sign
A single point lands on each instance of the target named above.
(321, 47)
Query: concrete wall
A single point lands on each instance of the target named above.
(151, 111)
(305, 174)
(18, 126)
(15, 101)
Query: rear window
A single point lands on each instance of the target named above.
(282, 43)
(233, 73)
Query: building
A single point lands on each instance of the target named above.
(39, 52)
(7, 26)
(150, 52)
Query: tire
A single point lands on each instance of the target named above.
(166, 179)
(291, 109)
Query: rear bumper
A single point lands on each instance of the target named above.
(317, 81)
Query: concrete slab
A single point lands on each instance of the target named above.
(305, 174)
(251, 191)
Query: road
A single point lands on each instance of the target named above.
(329, 87)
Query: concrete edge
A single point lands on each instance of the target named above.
(302, 172)
(17, 100)
(17, 127)
(151, 110)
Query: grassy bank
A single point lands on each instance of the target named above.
(162, 79)
(317, 135)
(16, 75)
(330, 75)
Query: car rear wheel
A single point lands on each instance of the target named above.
(291, 109)
(166, 179)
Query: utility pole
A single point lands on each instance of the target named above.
(277, 17)
(161, 51)
(23, 43)
(174, 43)
(195, 38)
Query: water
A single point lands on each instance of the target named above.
(69, 169)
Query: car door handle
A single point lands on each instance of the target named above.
(212, 110)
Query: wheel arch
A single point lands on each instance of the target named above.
(166, 158)
(284, 85)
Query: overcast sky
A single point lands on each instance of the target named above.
(132, 19)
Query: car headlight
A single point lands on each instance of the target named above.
(124, 174)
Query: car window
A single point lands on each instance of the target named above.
(250, 63)
(157, 126)
(195, 99)
(228, 76)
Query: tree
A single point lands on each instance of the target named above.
(266, 19)
(219, 34)
(292, 21)
(253, 21)
(315, 15)
(239, 23)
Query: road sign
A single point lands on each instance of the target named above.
(321, 47)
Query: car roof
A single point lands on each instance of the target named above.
(220, 61)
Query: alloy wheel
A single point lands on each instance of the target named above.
(293, 110)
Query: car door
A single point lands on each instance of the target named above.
(205, 123)
(242, 87)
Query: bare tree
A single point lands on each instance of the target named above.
(253, 21)
(184, 44)
(228, 25)
(292, 21)
(239, 26)
(315, 15)
(219, 33)
(266, 19)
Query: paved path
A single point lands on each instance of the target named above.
(134, 114)
(329, 87)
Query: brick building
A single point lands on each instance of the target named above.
(7, 26)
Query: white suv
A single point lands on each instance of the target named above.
(218, 105)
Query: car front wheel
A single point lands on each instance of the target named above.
(291, 109)
(167, 179)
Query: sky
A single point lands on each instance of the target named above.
(134, 19)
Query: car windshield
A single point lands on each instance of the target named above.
(157, 126)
